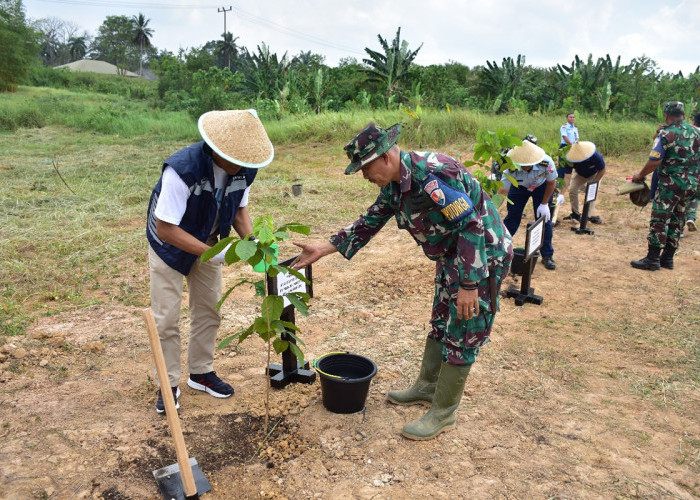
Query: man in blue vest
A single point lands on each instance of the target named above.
(201, 194)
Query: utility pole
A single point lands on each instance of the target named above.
(228, 53)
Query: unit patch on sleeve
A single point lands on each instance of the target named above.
(454, 204)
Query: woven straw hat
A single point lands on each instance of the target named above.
(527, 154)
(238, 136)
(630, 187)
(642, 196)
(580, 151)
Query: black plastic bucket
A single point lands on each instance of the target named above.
(345, 380)
(517, 264)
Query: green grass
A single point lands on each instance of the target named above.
(75, 239)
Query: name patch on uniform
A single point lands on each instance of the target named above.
(454, 204)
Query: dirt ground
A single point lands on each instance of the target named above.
(593, 394)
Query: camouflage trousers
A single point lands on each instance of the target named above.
(691, 209)
(461, 339)
(668, 212)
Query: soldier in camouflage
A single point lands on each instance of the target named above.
(676, 154)
(443, 207)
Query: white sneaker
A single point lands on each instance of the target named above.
(692, 227)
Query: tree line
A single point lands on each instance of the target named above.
(222, 74)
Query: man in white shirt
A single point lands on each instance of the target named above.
(568, 132)
(202, 193)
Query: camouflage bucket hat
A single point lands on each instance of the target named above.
(641, 197)
(674, 107)
(370, 144)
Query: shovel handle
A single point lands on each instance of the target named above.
(555, 215)
(183, 459)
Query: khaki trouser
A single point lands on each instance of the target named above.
(204, 286)
(577, 184)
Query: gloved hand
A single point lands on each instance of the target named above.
(560, 199)
(220, 258)
(543, 211)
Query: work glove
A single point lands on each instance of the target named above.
(560, 199)
(543, 211)
(220, 258)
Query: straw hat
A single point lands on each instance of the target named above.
(238, 136)
(641, 197)
(527, 154)
(580, 151)
(630, 187)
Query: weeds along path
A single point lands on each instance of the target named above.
(593, 394)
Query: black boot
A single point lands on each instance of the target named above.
(651, 262)
(666, 259)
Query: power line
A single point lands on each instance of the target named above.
(247, 16)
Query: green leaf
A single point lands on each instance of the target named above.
(512, 179)
(228, 292)
(218, 247)
(266, 236)
(272, 307)
(260, 325)
(246, 249)
(297, 352)
(259, 288)
(280, 345)
(245, 334)
(226, 341)
(298, 303)
(256, 258)
(288, 331)
(296, 228)
(293, 272)
(289, 327)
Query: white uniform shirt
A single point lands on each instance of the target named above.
(174, 194)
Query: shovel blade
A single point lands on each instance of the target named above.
(170, 482)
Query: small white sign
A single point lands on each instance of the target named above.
(536, 237)
(592, 191)
(288, 283)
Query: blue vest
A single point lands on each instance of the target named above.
(194, 166)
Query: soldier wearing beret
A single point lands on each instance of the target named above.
(443, 207)
(676, 155)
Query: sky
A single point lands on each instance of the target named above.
(546, 32)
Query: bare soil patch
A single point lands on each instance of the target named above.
(593, 394)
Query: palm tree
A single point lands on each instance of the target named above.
(142, 36)
(228, 47)
(77, 46)
(392, 66)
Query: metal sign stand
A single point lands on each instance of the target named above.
(290, 370)
(591, 195)
(533, 241)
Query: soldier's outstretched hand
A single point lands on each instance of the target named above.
(310, 253)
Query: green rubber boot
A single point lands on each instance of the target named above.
(421, 392)
(442, 414)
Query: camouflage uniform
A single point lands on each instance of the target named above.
(476, 247)
(678, 145)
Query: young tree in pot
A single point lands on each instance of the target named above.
(259, 248)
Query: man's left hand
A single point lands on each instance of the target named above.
(467, 303)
